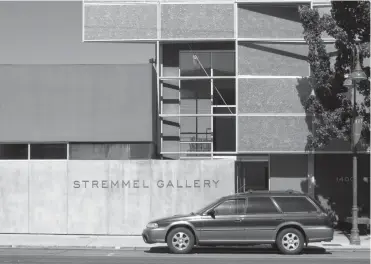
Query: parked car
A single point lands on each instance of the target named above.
(287, 220)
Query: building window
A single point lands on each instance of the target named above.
(48, 151)
(13, 151)
(195, 63)
(200, 63)
(110, 151)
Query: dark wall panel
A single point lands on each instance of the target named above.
(288, 171)
(272, 95)
(269, 21)
(197, 21)
(105, 22)
(333, 174)
(272, 133)
(81, 103)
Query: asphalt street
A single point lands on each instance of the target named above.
(160, 256)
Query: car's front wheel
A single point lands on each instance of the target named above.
(180, 240)
(290, 241)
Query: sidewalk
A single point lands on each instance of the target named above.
(340, 242)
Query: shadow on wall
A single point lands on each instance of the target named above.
(333, 189)
(304, 91)
(283, 12)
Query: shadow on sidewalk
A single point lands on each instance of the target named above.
(238, 250)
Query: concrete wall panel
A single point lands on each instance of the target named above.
(87, 207)
(107, 22)
(197, 21)
(272, 133)
(324, 10)
(273, 59)
(106, 197)
(222, 178)
(161, 199)
(272, 95)
(48, 197)
(129, 206)
(14, 196)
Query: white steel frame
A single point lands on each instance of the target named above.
(211, 77)
(236, 39)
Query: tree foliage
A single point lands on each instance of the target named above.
(330, 105)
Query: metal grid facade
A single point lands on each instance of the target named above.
(251, 28)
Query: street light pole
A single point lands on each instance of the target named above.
(354, 236)
(357, 75)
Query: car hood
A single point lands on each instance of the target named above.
(175, 218)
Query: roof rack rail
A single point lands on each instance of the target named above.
(292, 191)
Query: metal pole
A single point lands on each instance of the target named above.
(354, 236)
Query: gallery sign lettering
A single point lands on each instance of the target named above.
(146, 184)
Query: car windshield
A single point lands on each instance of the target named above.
(207, 206)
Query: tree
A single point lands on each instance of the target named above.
(329, 105)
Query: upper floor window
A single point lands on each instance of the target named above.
(207, 63)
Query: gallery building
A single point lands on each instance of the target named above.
(162, 80)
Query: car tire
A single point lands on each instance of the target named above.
(180, 240)
(290, 241)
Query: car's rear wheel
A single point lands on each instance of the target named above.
(290, 241)
(180, 240)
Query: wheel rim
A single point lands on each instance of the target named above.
(290, 241)
(180, 241)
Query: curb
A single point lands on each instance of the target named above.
(329, 249)
(75, 248)
(345, 249)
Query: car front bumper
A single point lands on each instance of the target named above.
(154, 235)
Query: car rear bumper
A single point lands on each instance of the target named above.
(154, 235)
(320, 234)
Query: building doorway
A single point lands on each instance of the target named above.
(251, 173)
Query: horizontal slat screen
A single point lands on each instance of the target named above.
(84, 103)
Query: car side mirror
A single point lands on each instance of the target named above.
(211, 213)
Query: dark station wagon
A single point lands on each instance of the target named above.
(287, 220)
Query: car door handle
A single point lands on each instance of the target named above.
(279, 219)
(238, 220)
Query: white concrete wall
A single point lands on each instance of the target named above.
(40, 196)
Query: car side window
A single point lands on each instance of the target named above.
(231, 207)
(295, 204)
(260, 205)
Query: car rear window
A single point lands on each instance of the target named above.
(319, 205)
(295, 204)
(260, 205)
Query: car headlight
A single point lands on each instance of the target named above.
(152, 225)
